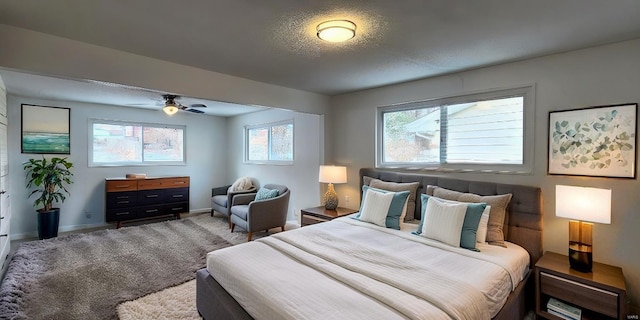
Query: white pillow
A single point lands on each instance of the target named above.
(443, 221)
(481, 234)
(375, 207)
(404, 210)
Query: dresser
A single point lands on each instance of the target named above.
(133, 199)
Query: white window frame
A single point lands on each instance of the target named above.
(269, 126)
(142, 163)
(528, 94)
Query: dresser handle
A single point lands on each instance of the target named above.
(122, 213)
(177, 196)
(176, 209)
(122, 202)
(152, 196)
(151, 210)
(123, 186)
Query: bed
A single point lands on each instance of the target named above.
(349, 269)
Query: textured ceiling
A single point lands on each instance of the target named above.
(274, 41)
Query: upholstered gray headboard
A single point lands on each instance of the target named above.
(523, 224)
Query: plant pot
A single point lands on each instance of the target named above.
(48, 223)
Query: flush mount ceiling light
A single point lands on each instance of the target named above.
(336, 30)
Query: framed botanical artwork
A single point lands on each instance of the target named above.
(597, 141)
(45, 129)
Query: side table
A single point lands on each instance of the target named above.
(600, 294)
(320, 214)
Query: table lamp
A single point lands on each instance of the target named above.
(583, 205)
(331, 175)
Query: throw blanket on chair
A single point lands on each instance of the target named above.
(243, 183)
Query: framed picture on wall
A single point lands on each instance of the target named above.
(596, 141)
(45, 130)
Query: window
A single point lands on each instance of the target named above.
(115, 143)
(478, 132)
(269, 143)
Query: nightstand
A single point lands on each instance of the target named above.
(320, 214)
(600, 294)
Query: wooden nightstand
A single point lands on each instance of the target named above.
(320, 214)
(600, 294)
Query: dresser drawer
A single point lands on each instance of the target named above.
(154, 196)
(146, 184)
(177, 195)
(121, 214)
(121, 185)
(151, 211)
(175, 208)
(122, 199)
(596, 299)
(175, 182)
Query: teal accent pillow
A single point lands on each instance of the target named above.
(469, 227)
(264, 194)
(395, 208)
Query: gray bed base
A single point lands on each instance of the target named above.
(523, 226)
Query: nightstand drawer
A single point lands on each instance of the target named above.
(307, 220)
(579, 294)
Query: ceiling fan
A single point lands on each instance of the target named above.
(171, 106)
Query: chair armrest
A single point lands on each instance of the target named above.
(219, 191)
(268, 213)
(243, 198)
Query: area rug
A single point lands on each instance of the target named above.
(175, 303)
(85, 276)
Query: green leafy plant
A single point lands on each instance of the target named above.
(49, 177)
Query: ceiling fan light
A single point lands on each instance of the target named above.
(336, 30)
(170, 109)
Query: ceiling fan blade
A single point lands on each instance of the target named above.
(194, 110)
(198, 105)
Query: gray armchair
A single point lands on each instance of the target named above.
(222, 199)
(253, 215)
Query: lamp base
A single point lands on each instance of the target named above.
(580, 257)
(330, 198)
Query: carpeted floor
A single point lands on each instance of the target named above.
(85, 276)
(175, 303)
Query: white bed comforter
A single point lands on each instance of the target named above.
(347, 269)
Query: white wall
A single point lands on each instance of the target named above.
(206, 162)
(45, 54)
(597, 76)
(302, 176)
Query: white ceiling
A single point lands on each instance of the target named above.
(274, 41)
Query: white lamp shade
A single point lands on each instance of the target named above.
(584, 204)
(332, 174)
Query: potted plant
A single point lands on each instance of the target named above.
(49, 178)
